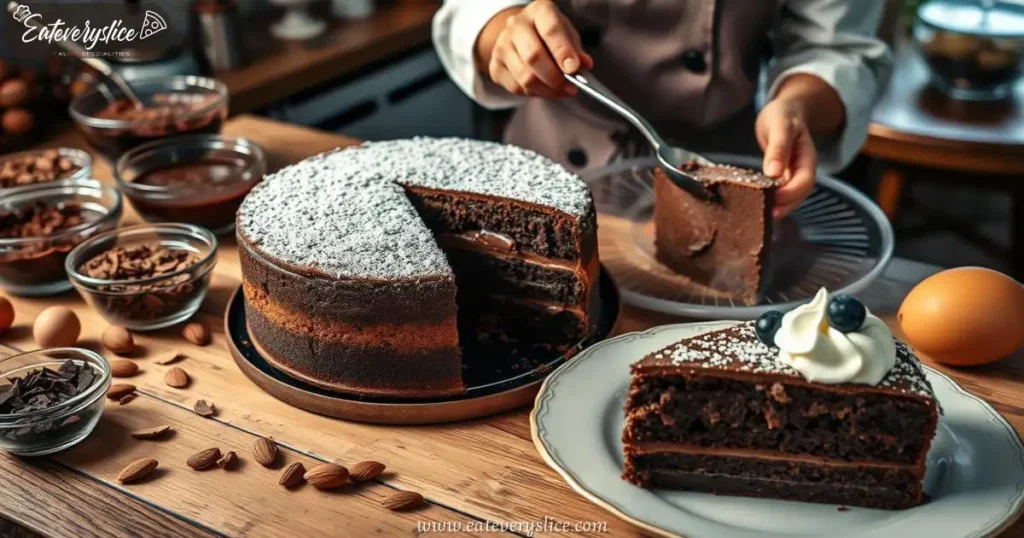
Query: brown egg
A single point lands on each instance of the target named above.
(56, 326)
(6, 314)
(17, 121)
(965, 316)
(13, 92)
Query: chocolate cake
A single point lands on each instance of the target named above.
(721, 243)
(363, 269)
(721, 413)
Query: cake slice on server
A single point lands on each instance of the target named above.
(819, 405)
(724, 242)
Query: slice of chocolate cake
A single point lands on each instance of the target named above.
(722, 243)
(724, 413)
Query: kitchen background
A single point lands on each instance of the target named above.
(390, 84)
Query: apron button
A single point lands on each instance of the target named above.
(590, 37)
(693, 60)
(577, 157)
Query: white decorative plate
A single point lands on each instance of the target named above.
(975, 467)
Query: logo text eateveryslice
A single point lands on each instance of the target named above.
(87, 36)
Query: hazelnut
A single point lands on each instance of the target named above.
(196, 333)
(17, 121)
(118, 340)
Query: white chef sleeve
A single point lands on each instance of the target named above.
(835, 40)
(456, 27)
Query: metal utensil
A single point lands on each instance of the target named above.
(83, 56)
(671, 158)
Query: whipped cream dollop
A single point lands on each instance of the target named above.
(823, 354)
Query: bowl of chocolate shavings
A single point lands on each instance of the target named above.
(50, 399)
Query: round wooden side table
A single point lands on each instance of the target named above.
(916, 131)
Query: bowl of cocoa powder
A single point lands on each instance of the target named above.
(147, 276)
(41, 223)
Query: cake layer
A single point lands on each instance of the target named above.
(530, 227)
(708, 408)
(724, 243)
(887, 498)
(381, 369)
(532, 321)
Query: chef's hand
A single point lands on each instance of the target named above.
(526, 50)
(789, 153)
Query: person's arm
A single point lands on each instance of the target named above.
(499, 51)
(828, 71)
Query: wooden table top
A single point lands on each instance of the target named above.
(484, 470)
(280, 69)
(916, 124)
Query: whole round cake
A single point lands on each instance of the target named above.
(365, 267)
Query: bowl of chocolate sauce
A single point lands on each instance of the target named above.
(195, 179)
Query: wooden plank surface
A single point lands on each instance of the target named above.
(471, 472)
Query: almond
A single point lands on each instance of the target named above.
(120, 390)
(118, 340)
(128, 398)
(204, 409)
(228, 460)
(152, 432)
(327, 476)
(292, 475)
(170, 357)
(176, 377)
(403, 500)
(137, 470)
(196, 333)
(264, 451)
(204, 459)
(366, 470)
(123, 368)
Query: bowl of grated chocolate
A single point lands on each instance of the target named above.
(41, 223)
(145, 277)
(50, 399)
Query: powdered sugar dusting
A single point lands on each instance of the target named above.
(345, 213)
(737, 348)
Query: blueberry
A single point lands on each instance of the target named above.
(767, 325)
(846, 313)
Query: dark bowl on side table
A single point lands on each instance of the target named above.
(147, 303)
(44, 431)
(34, 266)
(174, 106)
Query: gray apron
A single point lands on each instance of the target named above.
(690, 66)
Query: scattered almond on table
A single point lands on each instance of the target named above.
(403, 500)
(176, 377)
(366, 470)
(293, 475)
(170, 357)
(118, 340)
(264, 451)
(228, 461)
(153, 432)
(137, 470)
(123, 368)
(204, 459)
(204, 408)
(327, 476)
(196, 333)
(120, 390)
(128, 398)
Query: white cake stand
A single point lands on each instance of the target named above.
(297, 24)
(838, 239)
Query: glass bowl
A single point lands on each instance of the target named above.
(44, 431)
(78, 158)
(173, 106)
(147, 303)
(974, 49)
(34, 266)
(198, 179)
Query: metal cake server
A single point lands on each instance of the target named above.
(671, 158)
